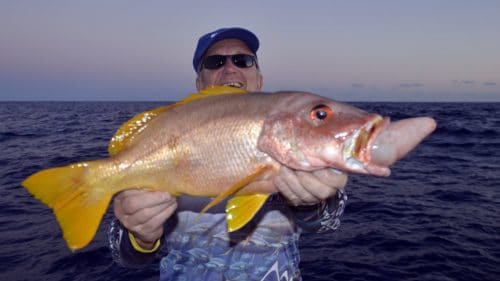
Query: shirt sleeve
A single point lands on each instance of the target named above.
(122, 250)
(323, 217)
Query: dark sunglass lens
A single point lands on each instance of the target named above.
(243, 61)
(214, 62)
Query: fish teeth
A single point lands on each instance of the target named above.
(349, 146)
(352, 151)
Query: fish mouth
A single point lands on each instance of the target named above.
(356, 152)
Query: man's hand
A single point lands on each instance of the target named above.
(143, 213)
(309, 188)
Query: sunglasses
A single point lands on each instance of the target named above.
(218, 61)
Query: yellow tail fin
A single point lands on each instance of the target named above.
(75, 197)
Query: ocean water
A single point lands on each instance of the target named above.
(437, 217)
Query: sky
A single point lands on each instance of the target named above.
(447, 50)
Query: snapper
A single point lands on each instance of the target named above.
(223, 142)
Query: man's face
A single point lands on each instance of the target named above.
(249, 79)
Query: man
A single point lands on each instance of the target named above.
(198, 247)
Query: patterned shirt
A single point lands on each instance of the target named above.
(198, 247)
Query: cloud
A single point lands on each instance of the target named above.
(410, 85)
(464, 82)
(472, 82)
(357, 85)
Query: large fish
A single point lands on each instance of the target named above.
(224, 145)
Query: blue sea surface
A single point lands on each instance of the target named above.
(437, 217)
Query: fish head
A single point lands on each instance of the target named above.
(309, 132)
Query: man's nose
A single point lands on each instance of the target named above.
(229, 66)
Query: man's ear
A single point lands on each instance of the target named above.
(198, 84)
(260, 82)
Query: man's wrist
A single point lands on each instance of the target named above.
(142, 246)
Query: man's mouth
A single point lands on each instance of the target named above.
(234, 84)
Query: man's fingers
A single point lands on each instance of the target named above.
(285, 190)
(133, 203)
(313, 187)
(332, 177)
(143, 216)
(152, 229)
(290, 186)
(307, 188)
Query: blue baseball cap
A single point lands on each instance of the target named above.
(207, 40)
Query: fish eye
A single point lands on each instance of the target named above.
(321, 112)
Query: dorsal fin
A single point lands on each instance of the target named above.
(212, 91)
(125, 135)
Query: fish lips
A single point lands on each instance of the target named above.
(356, 151)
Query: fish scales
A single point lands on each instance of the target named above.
(200, 147)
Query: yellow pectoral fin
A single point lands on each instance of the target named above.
(237, 187)
(241, 209)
